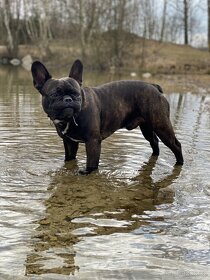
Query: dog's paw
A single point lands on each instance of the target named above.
(83, 172)
(86, 171)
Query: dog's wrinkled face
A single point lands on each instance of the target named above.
(61, 98)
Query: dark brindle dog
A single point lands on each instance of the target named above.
(89, 115)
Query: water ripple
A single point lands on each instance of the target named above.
(137, 215)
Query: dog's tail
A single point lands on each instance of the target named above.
(158, 87)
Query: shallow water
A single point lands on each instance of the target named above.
(136, 218)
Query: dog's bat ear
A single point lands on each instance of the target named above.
(76, 71)
(40, 74)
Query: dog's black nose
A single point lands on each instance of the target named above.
(67, 99)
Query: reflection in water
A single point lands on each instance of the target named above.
(134, 218)
(92, 205)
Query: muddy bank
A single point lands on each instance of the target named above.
(140, 56)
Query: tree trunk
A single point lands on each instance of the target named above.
(163, 21)
(11, 46)
(209, 24)
(185, 22)
(82, 30)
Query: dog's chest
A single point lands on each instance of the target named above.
(72, 133)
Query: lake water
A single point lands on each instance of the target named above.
(136, 218)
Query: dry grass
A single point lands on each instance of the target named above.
(139, 56)
(171, 58)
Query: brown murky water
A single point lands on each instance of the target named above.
(136, 218)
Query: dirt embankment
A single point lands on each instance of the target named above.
(140, 56)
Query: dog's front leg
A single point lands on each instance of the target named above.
(71, 148)
(93, 151)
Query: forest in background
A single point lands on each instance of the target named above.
(103, 33)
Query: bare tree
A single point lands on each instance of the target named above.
(37, 23)
(162, 31)
(99, 29)
(121, 16)
(84, 17)
(208, 3)
(147, 15)
(88, 16)
(11, 11)
(193, 21)
(186, 30)
(182, 22)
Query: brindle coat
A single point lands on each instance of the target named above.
(90, 114)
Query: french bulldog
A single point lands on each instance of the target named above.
(90, 114)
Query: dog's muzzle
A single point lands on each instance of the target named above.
(61, 126)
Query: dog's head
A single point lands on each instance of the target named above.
(61, 98)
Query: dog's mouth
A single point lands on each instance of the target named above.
(62, 117)
(64, 113)
(57, 122)
(63, 125)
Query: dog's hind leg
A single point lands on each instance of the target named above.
(150, 136)
(167, 136)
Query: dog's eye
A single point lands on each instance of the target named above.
(67, 99)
